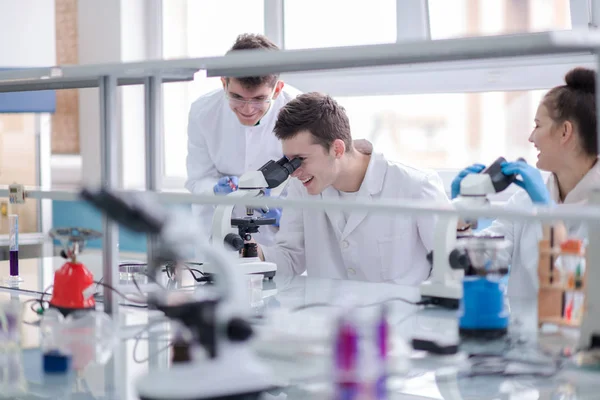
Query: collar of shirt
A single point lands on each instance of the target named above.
(581, 191)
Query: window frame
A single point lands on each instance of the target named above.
(412, 23)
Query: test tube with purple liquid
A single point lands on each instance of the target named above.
(13, 238)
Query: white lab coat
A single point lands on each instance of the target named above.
(372, 247)
(218, 145)
(523, 238)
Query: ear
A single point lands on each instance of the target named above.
(566, 132)
(338, 147)
(224, 82)
(278, 88)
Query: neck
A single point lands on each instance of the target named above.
(353, 169)
(571, 175)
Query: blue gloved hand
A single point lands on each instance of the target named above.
(273, 212)
(531, 180)
(226, 185)
(473, 169)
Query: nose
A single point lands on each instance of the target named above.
(531, 137)
(297, 172)
(246, 108)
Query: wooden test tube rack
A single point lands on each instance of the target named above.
(551, 294)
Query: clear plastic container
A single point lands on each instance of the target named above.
(87, 336)
(10, 325)
(486, 253)
(12, 375)
(254, 286)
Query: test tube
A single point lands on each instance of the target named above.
(382, 344)
(345, 360)
(13, 239)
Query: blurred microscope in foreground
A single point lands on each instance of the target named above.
(219, 362)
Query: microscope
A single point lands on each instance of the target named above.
(445, 284)
(235, 234)
(218, 362)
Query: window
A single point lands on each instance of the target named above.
(455, 18)
(446, 131)
(447, 128)
(193, 28)
(317, 23)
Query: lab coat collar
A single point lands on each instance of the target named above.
(581, 191)
(372, 185)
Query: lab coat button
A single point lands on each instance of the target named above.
(345, 244)
(351, 271)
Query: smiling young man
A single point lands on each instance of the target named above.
(230, 132)
(354, 245)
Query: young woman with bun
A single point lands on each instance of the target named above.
(565, 136)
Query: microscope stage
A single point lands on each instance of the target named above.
(250, 266)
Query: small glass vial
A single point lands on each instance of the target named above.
(13, 238)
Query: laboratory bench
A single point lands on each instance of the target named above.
(293, 319)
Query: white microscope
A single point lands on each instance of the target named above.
(217, 361)
(445, 284)
(234, 234)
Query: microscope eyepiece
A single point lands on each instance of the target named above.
(291, 165)
(276, 172)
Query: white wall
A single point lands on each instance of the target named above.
(28, 37)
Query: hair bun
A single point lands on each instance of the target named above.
(583, 79)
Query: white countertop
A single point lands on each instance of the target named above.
(294, 342)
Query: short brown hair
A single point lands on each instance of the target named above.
(317, 113)
(251, 41)
(576, 102)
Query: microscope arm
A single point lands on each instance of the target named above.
(221, 224)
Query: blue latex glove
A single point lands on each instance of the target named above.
(273, 212)
(226, 185)
(473, 169)
(531, 180)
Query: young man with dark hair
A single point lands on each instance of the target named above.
(230, 132)
(354, 245)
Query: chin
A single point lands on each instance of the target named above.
(314, 190)
(247, 122)
(542, 165)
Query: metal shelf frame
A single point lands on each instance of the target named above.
(255, 62)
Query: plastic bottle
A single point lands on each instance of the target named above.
(571, 263)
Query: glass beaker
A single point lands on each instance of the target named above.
(487, 254)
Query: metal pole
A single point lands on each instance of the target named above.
(153, 117)
(581, 17)
(594, 20)
(412, 20)
(274, 29)
(590, 324)
(109, 161)
(44, 179)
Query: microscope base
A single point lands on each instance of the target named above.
(445, 295)
(250, 266)
(238, 375)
